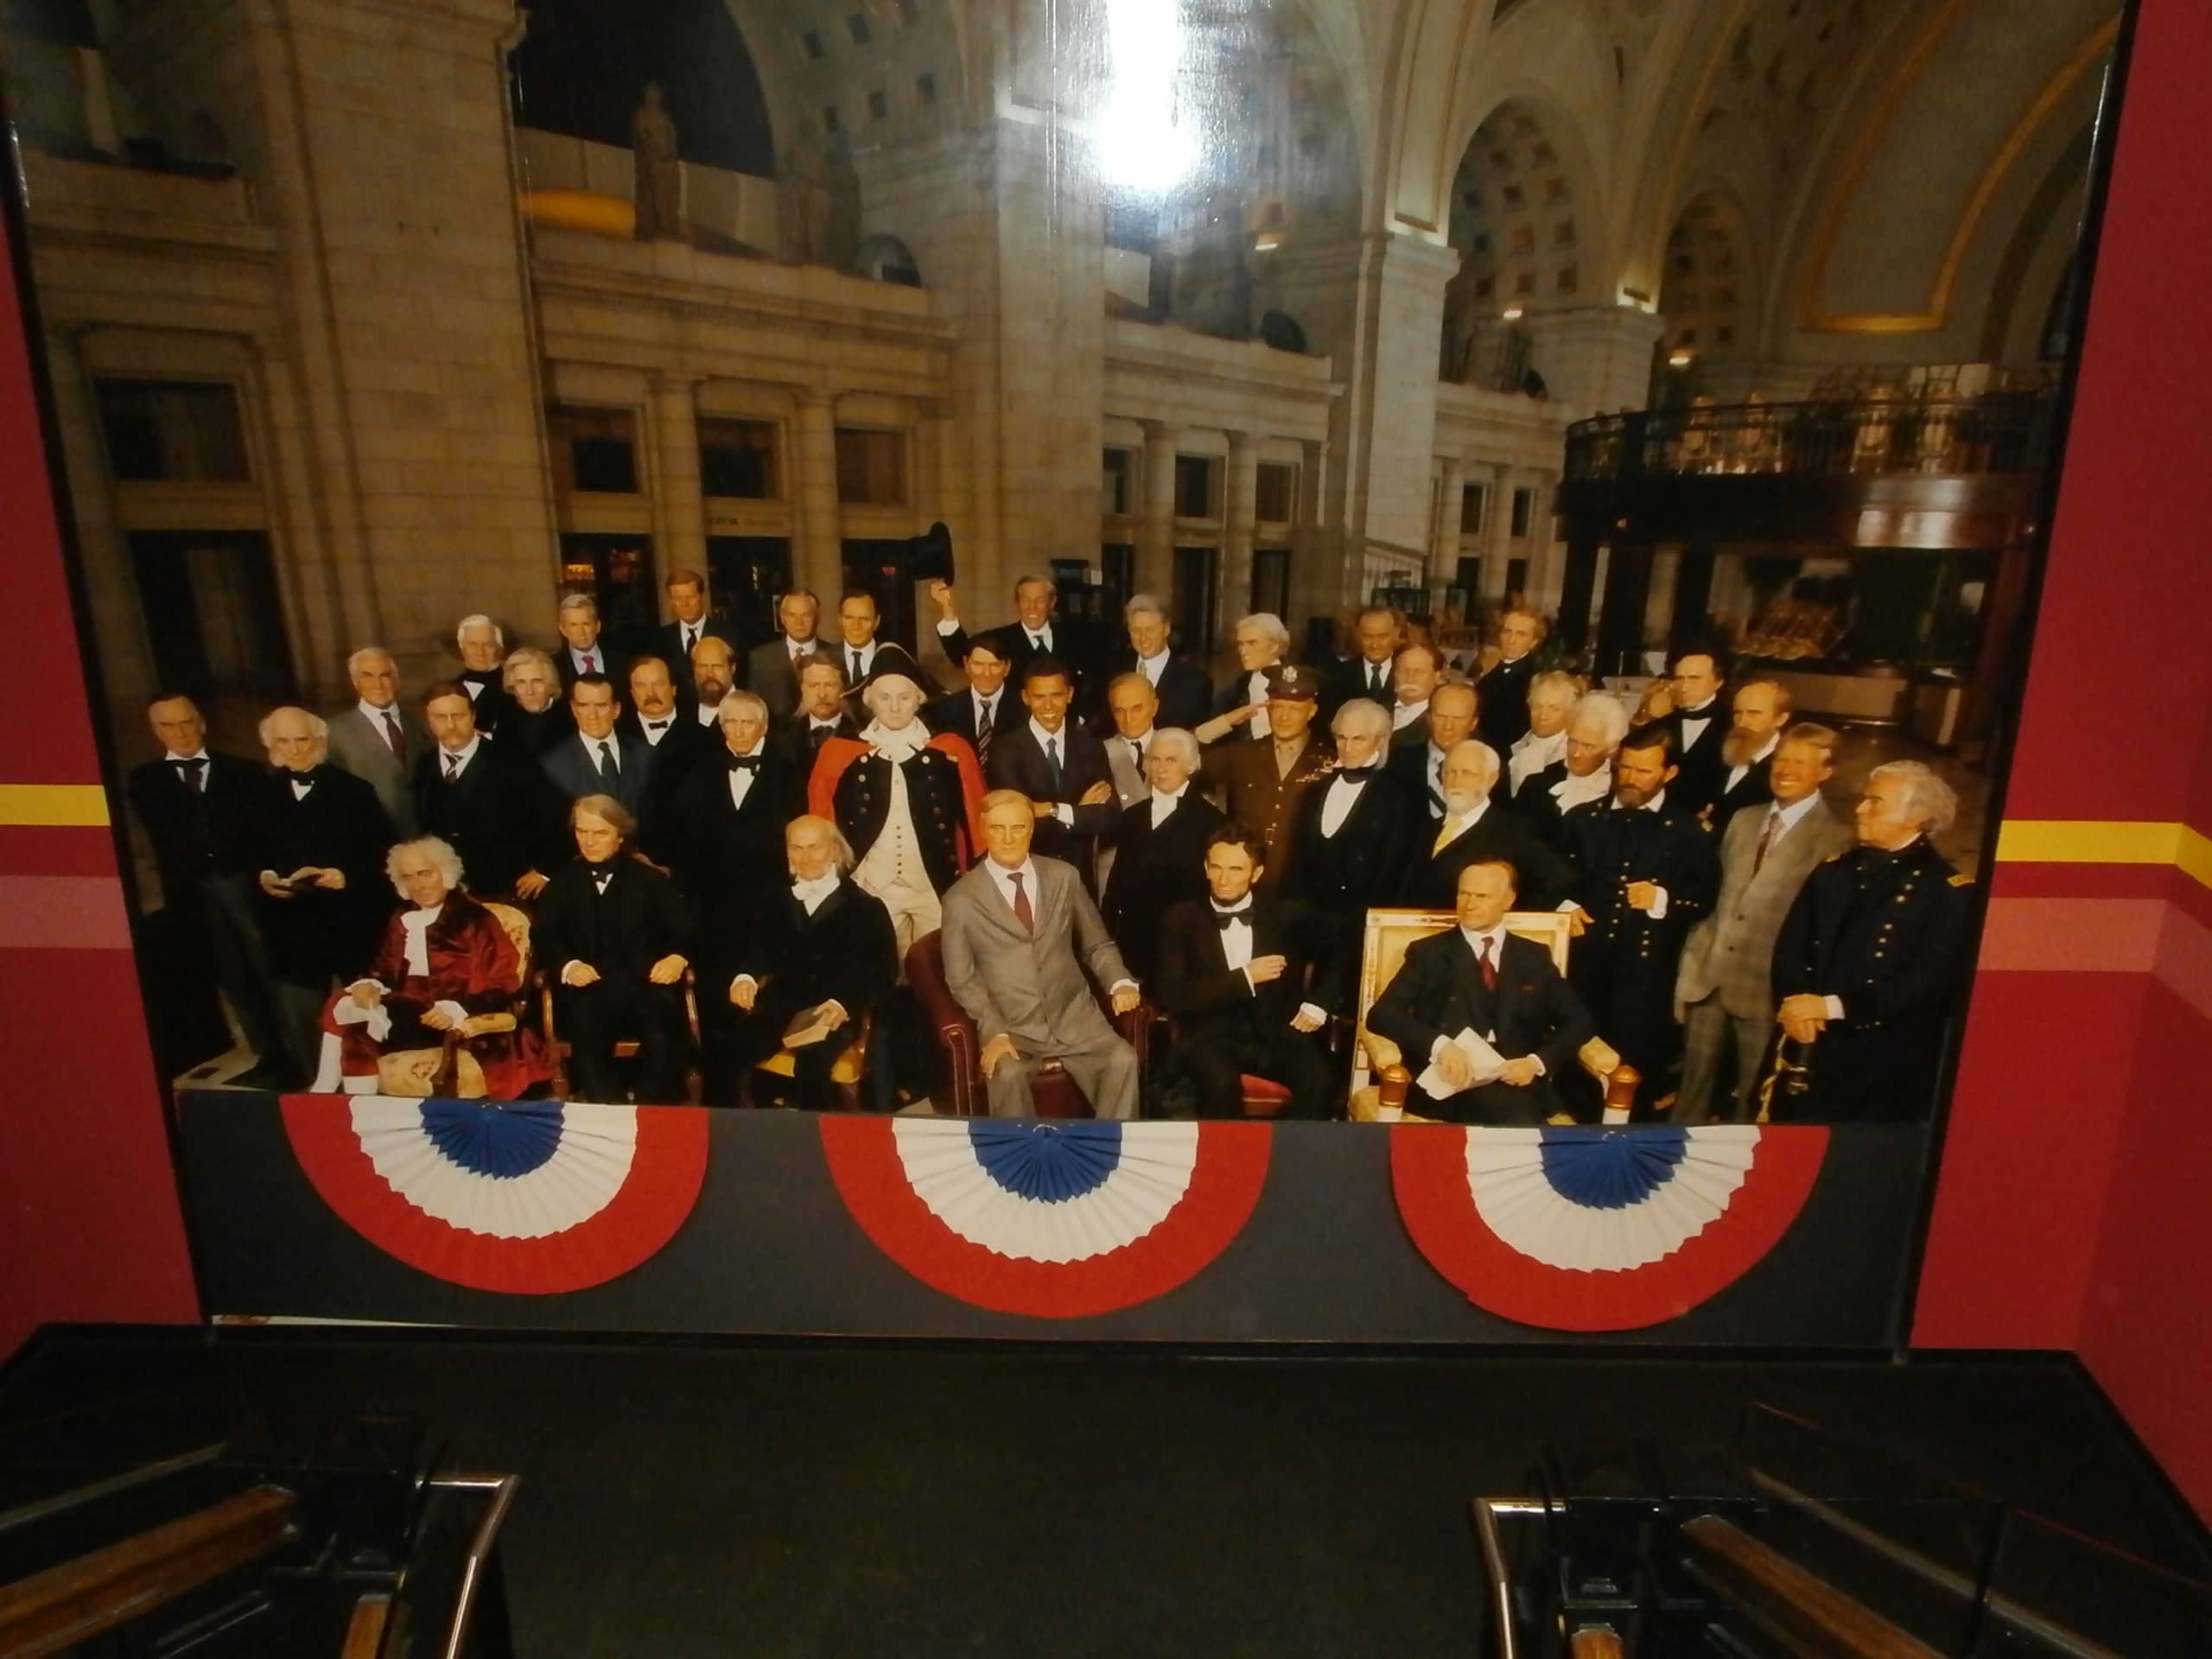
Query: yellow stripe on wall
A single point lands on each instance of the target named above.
(53, 805)
(2094, 841)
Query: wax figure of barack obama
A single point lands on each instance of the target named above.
(1235, 968)
(1479, 977)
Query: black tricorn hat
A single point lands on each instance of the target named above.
(929, 555)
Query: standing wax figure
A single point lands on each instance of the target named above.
(1504, 989)
(821, 715)
(1038, 630)
(1870, 956)
(1644, 874)
(1369, 672)
(596, 759)
(482, 648)
(677, 743)
(1761, 709)
(1418, 672)
(713, 677)
(194, 804)
(909, 803)
(445, 965)
(1418, 768)
(1133, 713)
(489, 803)
(1234, 971)
(976, 713)
(1185, 694)
(318, 838)
(614, 937)
(726, 833)
(774, 668)
(1594, 731)
(1158, 853)
(1698, 720)
(1726, 984)
(1262, 646)
(1552, 697)
(376, 739)
(688, 623)
(1061, 765)
(1019, 934)
(1262, 784)
(859, 651)
(1476, 829)
(584, 648)
(1505, 685)
(1355, 833)
(539, 716)
(826, 946)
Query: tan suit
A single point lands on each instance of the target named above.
(1031, 987)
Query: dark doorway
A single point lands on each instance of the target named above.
(1197, 578)
(217, 628)
(744, 575)
(1117, 561)
(879, 567)
(1270, 583)
(617, 571)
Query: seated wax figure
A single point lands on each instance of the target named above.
(1505, 990)
(1159, 851)
(1061, 765)
(1356, 832)
(903, 799)
(538, 717)
(1552, 697)
(614, 939)
(445, 965)
(1418, 768)
(487, 801)
(1584, 774)
(1249, 980)
(1477, 829)
(827, 946)
(1870, 960)
(726, 835)
(1019, 934)
(317, 838)
(482, 649)
(821, 715)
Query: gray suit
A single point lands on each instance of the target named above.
(769, 674)
(1130, 788)
(364, 750)
(1726, 983)
(1031, 987)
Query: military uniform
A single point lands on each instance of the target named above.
(903, 821)
(1256, 794)
(1624, 965)
(1886, 935)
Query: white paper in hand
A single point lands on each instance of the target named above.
(1486, 1060)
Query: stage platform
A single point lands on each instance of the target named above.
(733, 1496)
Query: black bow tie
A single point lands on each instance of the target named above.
(744, 763)
(655, 725)
(1225, 919)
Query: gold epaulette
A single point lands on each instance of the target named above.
(1962, 881)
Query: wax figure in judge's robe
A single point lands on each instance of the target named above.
(614, 937)
(1870, 960)
(1645, 873)
(824, 942)
(444, 963)
(1160, 850)
(906, 801)
(1249, 979)
(1478, 976)
(1019, 934)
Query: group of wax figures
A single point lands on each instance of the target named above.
(1082, 826)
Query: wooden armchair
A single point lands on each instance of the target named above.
(1054, 1091)
(450, 1071)
(1379, 1076)
(558, 1052)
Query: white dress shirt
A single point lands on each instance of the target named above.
(376, 717)
(1136, 747)
(1063, 812)
(742, 781)
(1737, 773)
(303, 785)
(1345, 790)
(1236, 950)
(710, 714)
(845, 651)
(655, 728)
(984, 705)
(1152, 667)
(1255, 692)
(1791, 816)
(596, 651)
(453, 763)
(1693, 723)
(612, 742)
(1531, 754)
(1476, 939)
(1163, 806)
(1403, 715)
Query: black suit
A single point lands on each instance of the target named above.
(1887, 935)
(685, 744)
(1226, 1026)
(1413, 769)
(1439, 992)
(1361, 865)
(1185, 693)
(1078, 644)
(1755, 788)
(729, 861)
(622, 932)
(500, 814)
(802, 743)
(529, 735)
(954, 714)
(1504, 715)
(846, 951)
(668, 645)
(1698, 770)
(1018, 762)
(1155, 869)
(1352, 678)
(1624, 967)
(487, 698)
(613, 661)
(1542, 876)
(768, 670)
(888, 654)
(572, 767)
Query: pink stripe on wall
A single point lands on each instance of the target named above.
(71, 913)
(2184, 959)
(2079, 936)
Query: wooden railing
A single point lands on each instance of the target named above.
(1998, 432)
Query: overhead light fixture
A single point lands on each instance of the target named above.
(1513, 314)
(1680, 359)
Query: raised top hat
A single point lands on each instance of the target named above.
(1292, 680)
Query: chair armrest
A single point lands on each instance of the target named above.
(691, 1003)
(1600, 1058)
(1136, 1028)
(1382, 1054)
(1394, 1082)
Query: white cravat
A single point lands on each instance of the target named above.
(1344, 790)
(1531, 754)
(811, 893)
(301, 786)
(1574, 789)
(417, 951)
(1163, 806)
(1255, 690)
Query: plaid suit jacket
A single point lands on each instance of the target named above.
(1732, 951)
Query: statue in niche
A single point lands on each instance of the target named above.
(657, 170)
(805, 201)
(1461, 318)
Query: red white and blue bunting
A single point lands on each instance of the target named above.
(1055, 1220)
(1600, 1230)
(528, 1196)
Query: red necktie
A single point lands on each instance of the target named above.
(1766, 840)
(591, 662)
(1489, 968)
(1022, 912)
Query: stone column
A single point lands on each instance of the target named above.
(679, 499)
(819, 561)
(1594, 358)
(1498, 532)
(1444, 546)
(1156, 523)
(1240, 509)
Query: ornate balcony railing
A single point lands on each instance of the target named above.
(1998, 432)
